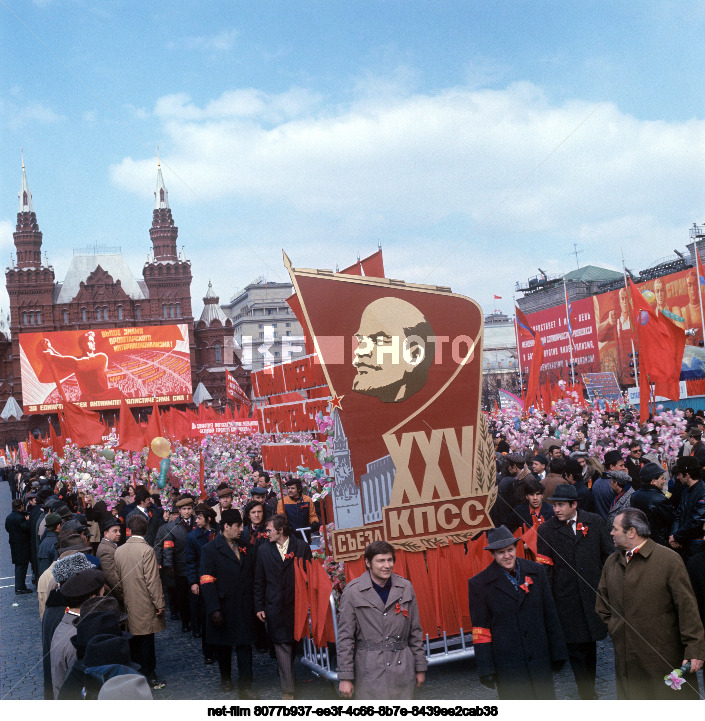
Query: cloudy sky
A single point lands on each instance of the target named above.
(476, 141)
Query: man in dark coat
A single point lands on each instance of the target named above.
(602, 493)
(647, 602)
(511, 489)
(651, 500)
(195, 541)
(174, 558)
(533, 512)
(154, 514)
(35, 515)
(275, 590)
(573, 475)
(47, 552)
(17, 527)
(227, 572)
(573, 545)
(686, 535)
(516, 632)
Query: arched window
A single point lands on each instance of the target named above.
(178, 310)
(24, 319)
(105, 314)
(218, 353)
(97, 313)
(165, 311)
(171, 311)
(119, 312)
(84, 315)
(65, 317)
(31, 318)
(138, 312)
(39, 317)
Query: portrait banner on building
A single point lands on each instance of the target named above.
(96, 369)
(403, 364)
(604, 341)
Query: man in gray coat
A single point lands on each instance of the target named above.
(380, 642)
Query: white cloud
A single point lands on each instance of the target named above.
(484, 175)
(220, 42)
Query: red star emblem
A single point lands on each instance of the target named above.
(336, 402)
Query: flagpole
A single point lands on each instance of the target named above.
(516, 335)
(700, 290)
(632, 323)
(570, 335)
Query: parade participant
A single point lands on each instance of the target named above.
(298, 508)
(574, 545)
(225, 500)
(226, 578)
(380, 642)
(602, 492)
(632, 463)
(195, 541)
(137, 570)
(47, 553)
(660, 629)
(573, 475)
(696, 570)
(538, 466)
(17, 527)
(270, 499)
(651, 500)
(511, 489)
(77, 589)
(517, 636)
(686, 533)
(697, 447)
(275, 593)
(154, 514)
(255, 516)
(620, 481)
(533, 512)
(174, 558)
(110, 528)
(171, 516)
(556, 467)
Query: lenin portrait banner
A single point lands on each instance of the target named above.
(603, 337)
(403, 364)
(97, 368)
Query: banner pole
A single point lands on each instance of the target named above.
(516, 336)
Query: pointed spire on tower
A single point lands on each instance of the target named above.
(25, 195)
(161, 196)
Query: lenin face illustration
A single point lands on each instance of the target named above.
(395, 348)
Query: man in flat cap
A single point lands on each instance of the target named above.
(174, 558)
(225, 500)
(516, 633)
(602, 492)
(111, 528)
(573, 545)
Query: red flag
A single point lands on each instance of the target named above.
(661, 346)
(130, 435)
(84, 428)
(498, 297)
(201, 476)
(301, 604)
(524, 330)
(373, 265)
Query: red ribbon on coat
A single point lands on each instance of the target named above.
(528, 581)
(399, 609)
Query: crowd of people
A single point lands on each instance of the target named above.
(106, 580)
(612, 543)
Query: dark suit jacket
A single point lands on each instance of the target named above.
(574, 564)
(275, 587)
(226, 586)
(517, 635)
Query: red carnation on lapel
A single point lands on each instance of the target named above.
(582, 527)
(528, 581)
(289, 555)
(399, 609)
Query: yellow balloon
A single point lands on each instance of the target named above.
(649, 297)
(161, 447)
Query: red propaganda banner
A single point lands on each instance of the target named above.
(398, 358)
(603, 334)
(234, 392)
(209, 428)
(96, 369)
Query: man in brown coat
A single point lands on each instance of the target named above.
(137, 570)
(647, 602)
(111, 528)
(380, 642)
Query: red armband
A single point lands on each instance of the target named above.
(207, 579)
(168, 544)
(481, 635)
(544, 559)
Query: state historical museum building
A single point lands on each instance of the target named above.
(100, 291)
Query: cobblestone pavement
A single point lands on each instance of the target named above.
(180, 664)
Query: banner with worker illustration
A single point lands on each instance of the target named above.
(97, 368)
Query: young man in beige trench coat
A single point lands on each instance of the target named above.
(380, 642)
